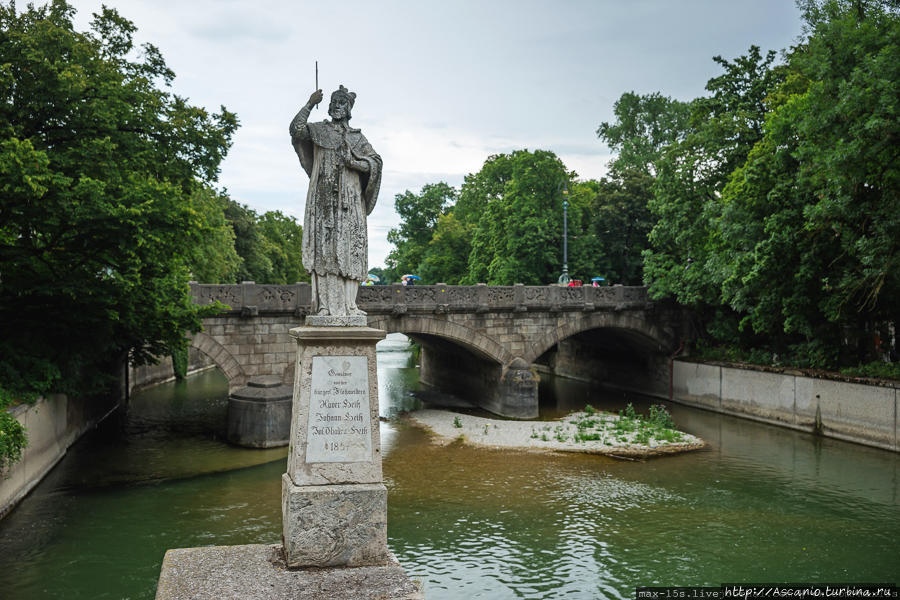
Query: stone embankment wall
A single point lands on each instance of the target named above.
(149, 375)
(56, 422)
(53, 424)
(856, 412)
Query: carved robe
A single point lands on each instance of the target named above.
(339, 199)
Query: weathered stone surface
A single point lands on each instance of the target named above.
(334, 525)
(332, 342)
(487, 321)
(259, 572)
(336, 321)
(344, 179)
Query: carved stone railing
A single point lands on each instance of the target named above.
(250, 299)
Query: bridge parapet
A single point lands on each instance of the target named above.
(250, 299)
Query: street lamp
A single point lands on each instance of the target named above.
(564, 278)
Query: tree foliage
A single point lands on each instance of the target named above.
(518, 237)
(779, 212)
(644, 126)
(104, 176)
(419, 214)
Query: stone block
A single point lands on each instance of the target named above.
(334, 525)
(259, 572)
(259, 415)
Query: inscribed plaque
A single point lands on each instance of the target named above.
(339, 428)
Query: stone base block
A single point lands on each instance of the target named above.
(259, 572)
(343, 321)
(334, 525)
(259, 424)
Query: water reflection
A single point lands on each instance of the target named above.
(760, 504)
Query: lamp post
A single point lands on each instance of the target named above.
(564, 278)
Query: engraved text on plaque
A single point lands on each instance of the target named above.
(339, 428)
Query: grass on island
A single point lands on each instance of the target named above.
(628, 427)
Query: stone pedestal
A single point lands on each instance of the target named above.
(259, 415)
(334, 505)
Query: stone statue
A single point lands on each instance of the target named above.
(344, 179)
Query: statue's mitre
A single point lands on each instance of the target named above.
(343, 92)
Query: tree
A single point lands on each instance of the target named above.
(811, 230)
(101, 173)
(644, 126)
(692, 173)
(284, 248)
(446, 256)
(621, 223)
(419, 215)
(249, 242)
(214, 259)
(518, 236)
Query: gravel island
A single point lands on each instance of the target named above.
(589, 432)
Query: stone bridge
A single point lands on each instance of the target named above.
(485, 343)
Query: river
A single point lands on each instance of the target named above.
(761, 504)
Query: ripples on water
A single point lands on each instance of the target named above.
(761, 504)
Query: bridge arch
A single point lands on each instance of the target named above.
(466, 337)
(579, 323)
(222, 358)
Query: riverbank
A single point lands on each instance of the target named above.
(550, 436)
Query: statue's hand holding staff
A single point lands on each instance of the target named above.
(315, 98)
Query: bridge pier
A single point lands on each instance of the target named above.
(506, 390)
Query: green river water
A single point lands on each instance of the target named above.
(760, 505)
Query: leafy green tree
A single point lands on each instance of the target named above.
(446, 256)
(101, 173)
(249, 243)
(214, 259)
(518, 236)
(269, 246)
(811, 232)
(644, 126)
(621, 222)
(419, 215)
(284, 247)
(692, 173)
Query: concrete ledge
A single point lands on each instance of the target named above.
(259, 572)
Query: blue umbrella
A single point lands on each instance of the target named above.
(412, 277)
(597, 279)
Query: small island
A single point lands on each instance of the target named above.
(626, 435)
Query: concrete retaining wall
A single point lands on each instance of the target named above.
(56, 422)
(53, 424)
(149, 375)
(866, 414)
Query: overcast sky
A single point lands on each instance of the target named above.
(440, 85)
